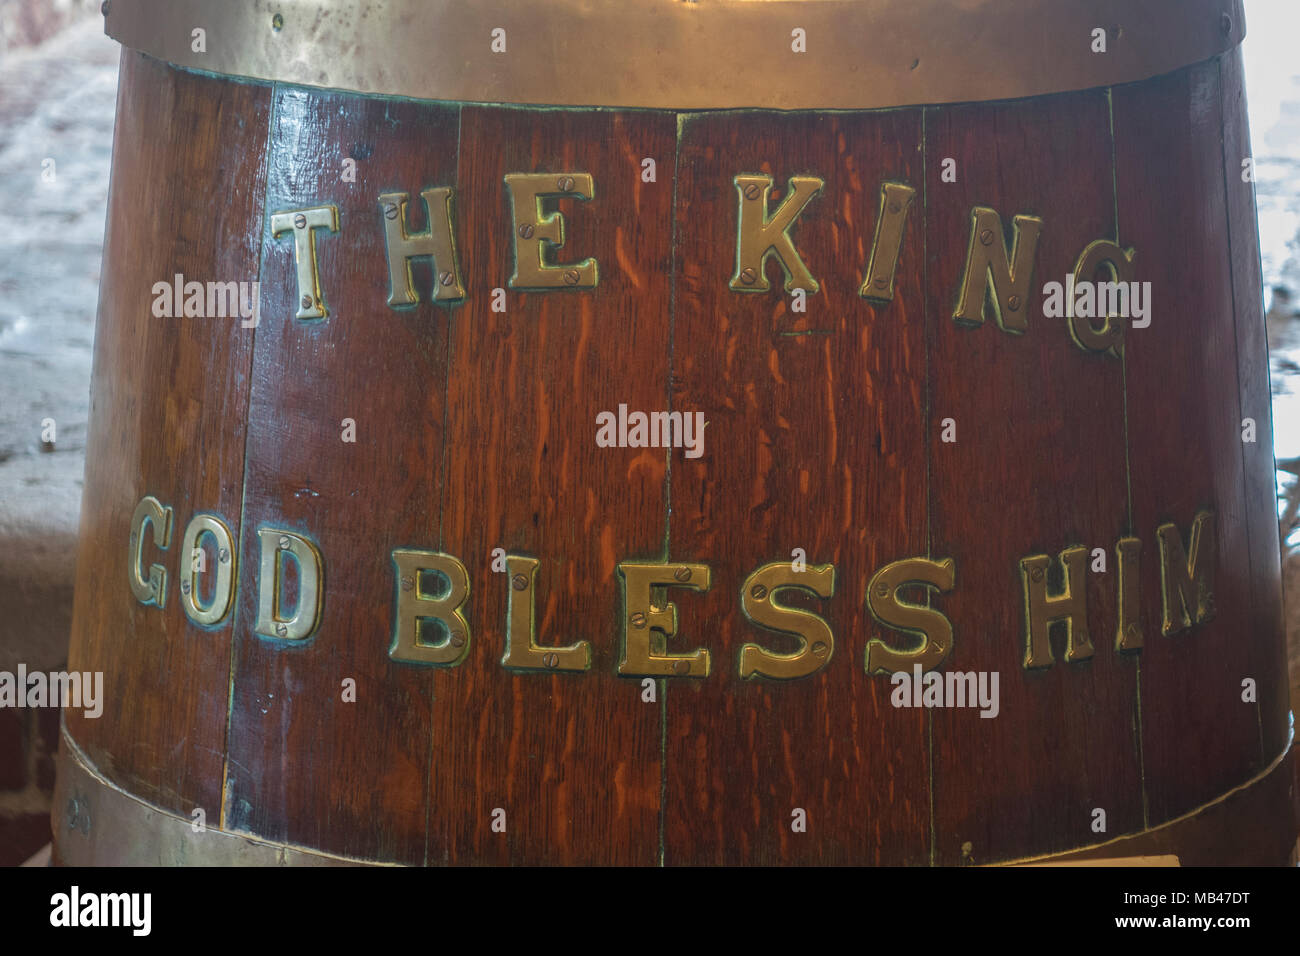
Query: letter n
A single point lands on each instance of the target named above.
(995, 276)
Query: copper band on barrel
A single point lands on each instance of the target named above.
(670, 54)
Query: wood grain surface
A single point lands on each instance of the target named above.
(1185, 448)
(475, 430)
(169, 412)
(814, 441)
(1038, 466)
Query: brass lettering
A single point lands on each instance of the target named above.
(1119, 262)
(895, 201)
(277, 547)
(758, 600)
(1128, 633)
(437, 243)
(223, 594)
(931, 627)
(1070, 604)
(647, 626)
(532, 227)
(304, 223)
(760, 235)
(991, 277)
(1187, 576)
(150, 511)
(523, 653)
(416, 607)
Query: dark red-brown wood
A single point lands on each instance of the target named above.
(475, 430)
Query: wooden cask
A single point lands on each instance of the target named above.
(825, 431)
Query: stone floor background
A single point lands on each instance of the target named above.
(57, 103)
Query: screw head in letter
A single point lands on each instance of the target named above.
(566, 184)
(986, 237)
(638, 619)
(758, 592)
(681, 667)
(307, 301)
(300, 221)
(185, 587)
(284, 542)
(390, 210)
(519, 582)
(408, 583)
(526, 231)
(550, 660)
(571, 276)
(223, 556)
(752, 191)
(682, 574)
(457, 639)
(1013, 303)
(1037, 574)
(748, 276)
(446, 278)
(282, 630)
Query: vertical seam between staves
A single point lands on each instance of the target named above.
(1128, 471)
(925, 418)
(272, 113)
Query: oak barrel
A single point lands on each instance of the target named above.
(811, 431)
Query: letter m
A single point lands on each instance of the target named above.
(223, 299)
(1187, 574)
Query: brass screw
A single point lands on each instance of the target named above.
(526, 231)
(819, 649)
(446, 278)
(566, 184)
(284, 542)
(1013, 303)
(571, 276)
(986, 237)
(300, 221)
(682, 574)
(457, 639)
(638, 619)
(306, 302)
(882, 590)
(519, 582)
(408, 583)
(390, 210)
(881, 282)
(1037, 574)
(748, 276)
(281, 629)
(751, 191)
(895, 207)
(758, 591)
(185, 587)
(681, 667)
(223, 556)
(550, 660)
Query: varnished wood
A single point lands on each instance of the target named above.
(162, 389)
(475, 431)
(1185, 449)
(815, 441)
(304, 766)
(1038, 465)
